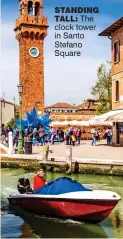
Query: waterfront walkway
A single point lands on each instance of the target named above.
(85, 151)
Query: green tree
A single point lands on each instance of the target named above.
(12, 122)
(103, 88)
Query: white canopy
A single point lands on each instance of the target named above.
(84, 123)
(104, 118)
(72, 123)
(64, 122)
(117, 118)
(55, 123)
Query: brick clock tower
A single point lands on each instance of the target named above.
(31, 29)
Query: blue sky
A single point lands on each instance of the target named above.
(69, 79)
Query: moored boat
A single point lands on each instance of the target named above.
(65, 198)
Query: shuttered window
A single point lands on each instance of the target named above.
(117, 90)
(116, 51)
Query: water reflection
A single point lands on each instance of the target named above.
(57, 228)
(117, 222)
(117, 219)
(26, 231)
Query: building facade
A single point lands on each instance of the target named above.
(115, 34)
(7, 111)
(117, 66)
(62, 108)
(65, 111)
(88, 106)
(31, 29)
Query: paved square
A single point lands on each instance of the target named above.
(85, 150)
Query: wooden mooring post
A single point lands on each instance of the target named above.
(45, 153)
(68, 157)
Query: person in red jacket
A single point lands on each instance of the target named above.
(39, 180)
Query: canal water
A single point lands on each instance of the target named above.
(17, 223)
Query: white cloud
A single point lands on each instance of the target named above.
(66, 79)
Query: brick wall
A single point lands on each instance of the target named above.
(31, 74)
(117, 70)
(117, 67)
(30, 32)
(70, 117)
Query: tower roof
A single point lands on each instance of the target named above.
(112, 28)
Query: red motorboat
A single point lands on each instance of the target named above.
(83, 205)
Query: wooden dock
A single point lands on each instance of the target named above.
(32, 159)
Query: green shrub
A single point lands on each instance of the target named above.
(117, 172)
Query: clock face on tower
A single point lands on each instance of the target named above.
(34, 52)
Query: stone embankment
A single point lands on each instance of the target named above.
(59, 164)
(83, 158)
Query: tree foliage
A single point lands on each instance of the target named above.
(12, 122)
(103, 88)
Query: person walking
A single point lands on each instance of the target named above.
(53, 135)
(41, 135)
(35, 136)
(70, 135)
(108, 136)
(93, 132)
(79, 132)
(73, 138)
(67, 137)
(59, 133)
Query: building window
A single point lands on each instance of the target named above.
(30, 8)
(116, 51)
(37, 7)
(117, 90)
(22, 8)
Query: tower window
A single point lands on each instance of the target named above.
(37, 8)
(22, 9)
(116, 51)
(30, 8)
(117, 90)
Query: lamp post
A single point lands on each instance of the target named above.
(2, 104)
(20, 140)
(14, 109)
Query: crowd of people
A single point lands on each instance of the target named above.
(39, 137)
(96, 133)
(70, 135)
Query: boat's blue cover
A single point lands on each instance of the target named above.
(60, 186)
